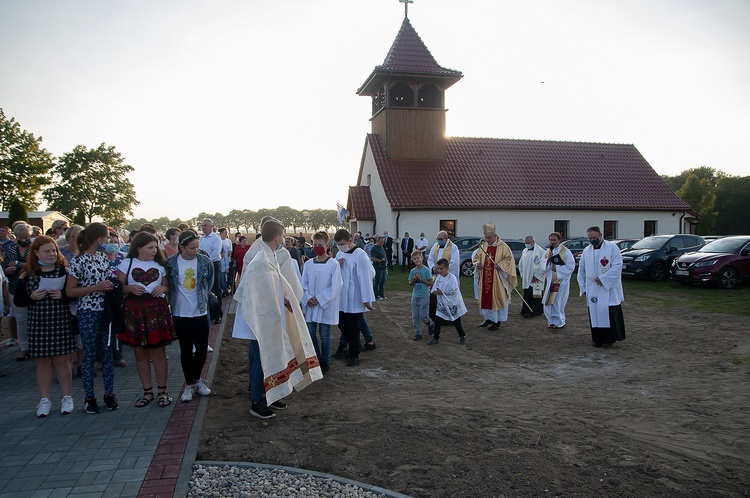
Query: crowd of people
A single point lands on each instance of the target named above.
(75, 295)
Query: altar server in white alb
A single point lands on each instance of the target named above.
(321, 284)
(600, 279)
(559, 264)
(532, 275)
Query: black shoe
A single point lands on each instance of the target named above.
(431, 329)
(341, 353)
(485, 323)
(278, 405)
(90, 406)
(217, 320)
(370, 347)
(110, 401)
(597, 344)
(324, 368)
(261, 411)
(352, 362)
(417, 337)
(495, 326)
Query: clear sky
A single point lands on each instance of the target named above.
(250, 104)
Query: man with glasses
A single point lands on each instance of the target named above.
(444, 249)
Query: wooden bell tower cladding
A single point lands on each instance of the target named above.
(408, 99)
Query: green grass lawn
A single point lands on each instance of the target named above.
(666, 294)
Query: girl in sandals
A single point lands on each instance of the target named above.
(148, 322)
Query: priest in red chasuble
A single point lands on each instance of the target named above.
(496, 269)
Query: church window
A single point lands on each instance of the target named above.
(649, 227)
(430, 96)
(401, 95)
(378, 101)
(449, 226)
(562, 227)
(610, 230)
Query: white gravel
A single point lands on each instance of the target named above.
(252, 482)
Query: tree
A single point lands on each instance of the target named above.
(17, 212)
(732, 193)
(699, 193)
(93, 182)
(24, 165)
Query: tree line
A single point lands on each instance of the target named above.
(81, 184)
(719, 198)
(246, 220)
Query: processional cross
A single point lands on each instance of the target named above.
(406, 6)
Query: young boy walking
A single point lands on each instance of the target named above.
(420, 278)
(357, 295)
(450, 303)
(321, 284)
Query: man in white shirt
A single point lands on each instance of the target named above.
(226, 257)
(421, 246)
(211, 243)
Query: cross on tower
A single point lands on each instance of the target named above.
(406, 6)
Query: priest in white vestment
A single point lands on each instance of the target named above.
(532, 276)
(558, 264)
(600, 279)
(445, 249)
(269, 315)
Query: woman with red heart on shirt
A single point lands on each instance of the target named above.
(148, 321)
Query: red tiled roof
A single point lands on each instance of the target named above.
(409, 55)
(359, 204)
(489, 173)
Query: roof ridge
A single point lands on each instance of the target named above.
(537, 140)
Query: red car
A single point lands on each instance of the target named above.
(725, 261)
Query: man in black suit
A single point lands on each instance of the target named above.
(388, 245)
(407, 246)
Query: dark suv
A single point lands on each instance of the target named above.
(651, 257)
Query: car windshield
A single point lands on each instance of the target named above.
(650, 243)
(727, 245)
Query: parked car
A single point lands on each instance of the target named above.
(725, 261)
(651, 257)
(620, 243)
(465, 243)
(576, 246)
(466, 267)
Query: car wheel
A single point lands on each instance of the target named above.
(467, 268)
(728, 278)
(658, 272)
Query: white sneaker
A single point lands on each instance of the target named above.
(210, 349)
(42, 409)
(187, 394)
(11, 342)
(201, 388)
(66, 406)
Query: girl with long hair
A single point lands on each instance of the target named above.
(50, 331)
(89, 281)
(148, 321)
(191, 276)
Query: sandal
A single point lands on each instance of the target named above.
(148, 397)
(163, 396)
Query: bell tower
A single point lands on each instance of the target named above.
(408, 99)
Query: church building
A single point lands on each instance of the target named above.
(412, 178)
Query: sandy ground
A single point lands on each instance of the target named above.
(524, 411)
